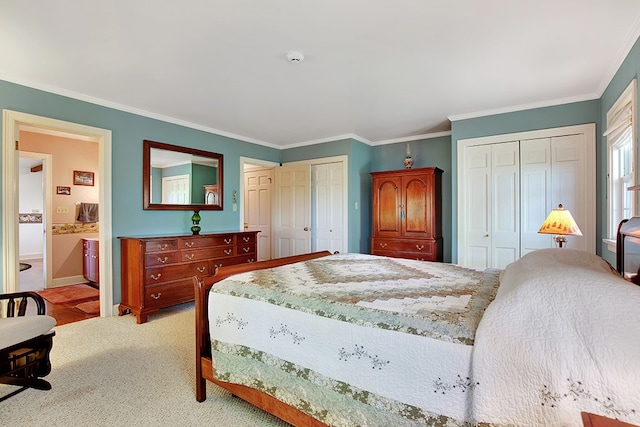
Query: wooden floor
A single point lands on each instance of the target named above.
(31, 280)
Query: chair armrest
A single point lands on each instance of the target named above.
(22, 298)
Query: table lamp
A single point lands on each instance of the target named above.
(561, 223)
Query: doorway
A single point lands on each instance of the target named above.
(34, 207)
(327, 210)
(13, 122)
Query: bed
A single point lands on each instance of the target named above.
(354, 339)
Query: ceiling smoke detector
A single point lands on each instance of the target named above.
(295, 57)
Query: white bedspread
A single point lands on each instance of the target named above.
(562, 336)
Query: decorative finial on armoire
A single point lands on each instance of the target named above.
(408, 161)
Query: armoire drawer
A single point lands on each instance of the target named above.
(406, 245)
(419, 256)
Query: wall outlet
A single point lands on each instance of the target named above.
(62, 209)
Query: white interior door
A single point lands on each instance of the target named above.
(176, 190)
(291, 210)
(328, 207)
(257, 208)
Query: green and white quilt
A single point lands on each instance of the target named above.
(354, 339)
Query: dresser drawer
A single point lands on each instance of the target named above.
(168, 294)
(415, 246)
(205, 242)
(246, 238)
(189, 255)
(161, 245)
(161, 258)
(246, 249)
(240, 259)
(175, 272)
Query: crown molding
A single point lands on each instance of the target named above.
(522, 107)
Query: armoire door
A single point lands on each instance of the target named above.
(417, 196)
(387, 201)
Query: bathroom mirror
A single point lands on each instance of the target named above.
(180, 178)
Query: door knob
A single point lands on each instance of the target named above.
(306, 229)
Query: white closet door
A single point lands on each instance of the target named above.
(327, 215)
(535, 178)
(568, 165)
(257, 208)
(476, 250)
(505, 214)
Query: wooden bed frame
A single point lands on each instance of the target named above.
(204, 363)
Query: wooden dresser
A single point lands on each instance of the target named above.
(407, 210)
(157, 271)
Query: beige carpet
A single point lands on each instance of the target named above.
(111, 371)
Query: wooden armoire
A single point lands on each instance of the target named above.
(407, 211)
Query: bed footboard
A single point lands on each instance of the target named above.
(204, 364)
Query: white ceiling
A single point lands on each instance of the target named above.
(378, 70)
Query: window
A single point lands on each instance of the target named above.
(621, 136)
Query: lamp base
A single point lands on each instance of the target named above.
(560, 240)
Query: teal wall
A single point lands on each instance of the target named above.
(629, 70)
(433, 152)
(128, 132)
(202, 175)
(359, 183)
(521, 121)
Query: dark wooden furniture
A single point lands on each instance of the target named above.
(204, 169)
(407, 211)
(593, 420)
(25, 363)
(628, 231)
(91, 260)
(204, 364)
(157, 271)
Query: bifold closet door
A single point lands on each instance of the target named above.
(553, 172)
(491, 205)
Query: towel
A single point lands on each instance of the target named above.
(88, 212)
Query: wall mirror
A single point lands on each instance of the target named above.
(180, 178)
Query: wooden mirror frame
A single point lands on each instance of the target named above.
(146, 177)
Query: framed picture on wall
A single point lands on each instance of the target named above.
(63, 190)
(82, 178)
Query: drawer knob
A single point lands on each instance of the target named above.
(246, 249)
(162, 260)
(250, 260)
(164, 247)
(154, 277)
(189, 244)
(246, 239)
(383, 245)
(93, 256)
(419, 247)
(201, 269)
(227, 241)
(227, 251)
(217, 265)
(154, 296)
(189, 256)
